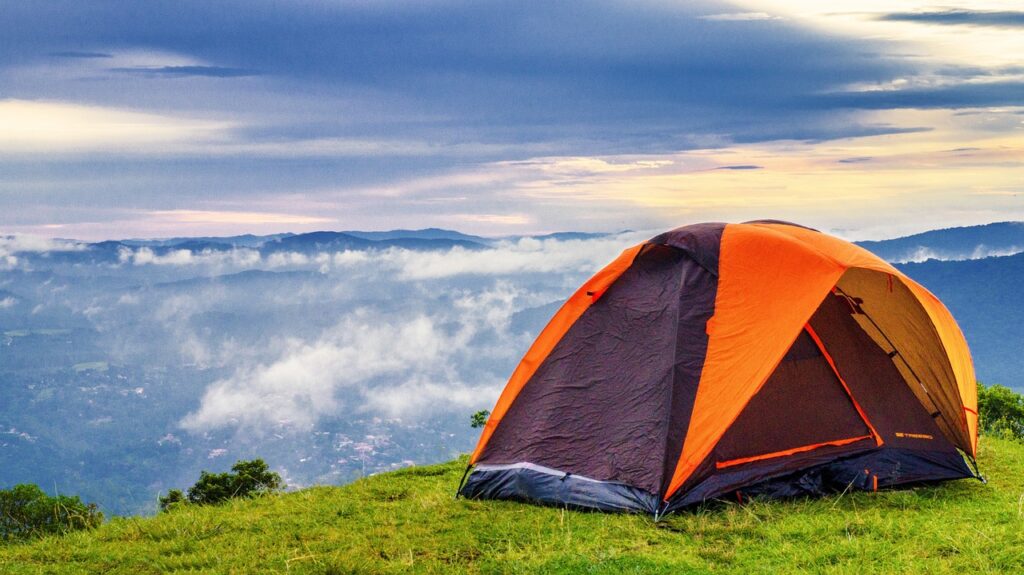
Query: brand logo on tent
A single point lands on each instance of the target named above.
(914, 435)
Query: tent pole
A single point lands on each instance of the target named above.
(463, 480)
(895, 351)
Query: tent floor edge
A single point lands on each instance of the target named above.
(882, 468)
(544, 486)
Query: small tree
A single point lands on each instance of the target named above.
(479, 419)
(27, 511)
(254, 477)
(1001, 411)
(246, 479)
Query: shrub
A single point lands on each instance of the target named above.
(1001, 411)
(174, 498)
(247, 479)
(27, 511)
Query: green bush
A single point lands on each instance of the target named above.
(27, 511)
(247, 479)
(174, 498)
(1001, 411)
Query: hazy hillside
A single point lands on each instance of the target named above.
(127, 367)
(408, 522)
(985, 297)
(971, 242)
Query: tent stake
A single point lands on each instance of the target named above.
(977, 472)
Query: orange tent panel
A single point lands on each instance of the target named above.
(769, 284)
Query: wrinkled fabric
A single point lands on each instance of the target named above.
(538, 484)
(600, 404)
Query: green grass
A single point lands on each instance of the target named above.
(407, 521)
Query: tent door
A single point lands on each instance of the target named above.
(803, 407)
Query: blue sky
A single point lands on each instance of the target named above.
(182, 118)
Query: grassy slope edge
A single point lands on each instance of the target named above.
(407, 521)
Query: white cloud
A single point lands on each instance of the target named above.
(301, 386)
(522, 255)
(385, 363)
(410, 334)
(293, 374)
(26, 243)
(143, 256)
(282, 259)
(981, 251)
(421, 393)
(8, 302)
(40, 126)
(238, 257)
(183, 305)
(12, 245)
(129, 299)
(525, 255)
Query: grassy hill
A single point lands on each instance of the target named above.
(407, 521)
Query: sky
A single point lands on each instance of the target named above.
(865, 118)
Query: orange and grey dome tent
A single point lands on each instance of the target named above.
(722, 360)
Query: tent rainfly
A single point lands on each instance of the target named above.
(733, 360)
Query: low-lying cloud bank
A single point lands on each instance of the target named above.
(523, 255)
(418, 334)
(236, 257)
(13, 245)
(923, 254)
(374, 361)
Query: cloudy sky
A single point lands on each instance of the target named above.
(868, 118)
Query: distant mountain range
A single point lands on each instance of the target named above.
(420, 240)
(247, 240)
(429, 239)
(963, 243)
(985, 298)
(971, 242)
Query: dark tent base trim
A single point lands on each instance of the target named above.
(538, 484)
(876, 469)
(882, 468)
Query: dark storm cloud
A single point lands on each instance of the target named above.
(1004, 19)
(610, 77)
(411, 90)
